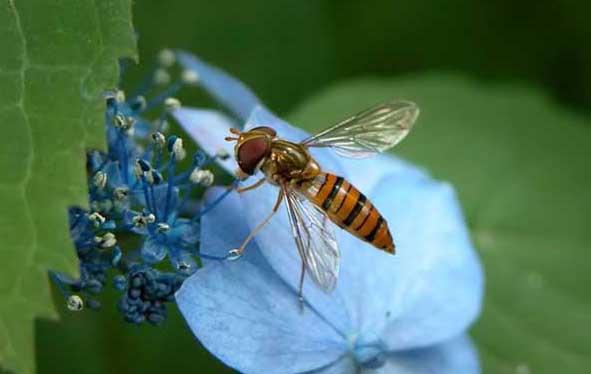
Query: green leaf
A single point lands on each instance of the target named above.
(57, 59)
(260, 41)
(520, 164)
(288, 49)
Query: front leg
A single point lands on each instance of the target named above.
(234, 254)
(252, 186)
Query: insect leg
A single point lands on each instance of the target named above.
(252, 186)
(301, 287)
(236, 253)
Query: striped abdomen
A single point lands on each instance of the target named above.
(346, 206)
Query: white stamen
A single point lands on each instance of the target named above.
(118, 121)
(202, 177)
(166, 58)
(172, 103)
(123, 122)
(75, 303)
(178, 150)
(121, 193)
(120, 96)
(189, 77)
(149, 177)
(129, 122)
(108, 240)
(161, 77)
(97, 219)
(162, 227)
(100, 179)
(137, 170)
(143, 220)
(158, 138)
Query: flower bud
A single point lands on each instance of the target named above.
(100, 179)
(166, 58)
(161, 77)
(189, 77)
(75, 303)
(172, 103)
(202, 177)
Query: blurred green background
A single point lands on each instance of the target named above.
(289, 50)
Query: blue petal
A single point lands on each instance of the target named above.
(366, 173)
(457, 356)
(223, 227)
(185, 232)
(247, 317)
(357, 306)
(114, 178)
(163, 199)
(208, 128)
(229, 91)
(345, 365)
(428, 293)
(153, 251)
(431, 290)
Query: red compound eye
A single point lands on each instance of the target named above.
(265, 129)
(251, 152)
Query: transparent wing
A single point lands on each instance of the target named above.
(369, 132)
(315, 240)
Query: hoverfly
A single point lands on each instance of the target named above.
(314, 197)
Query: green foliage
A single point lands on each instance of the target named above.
(282, 49)
(57, 59)
(520, 165)
(110, 345)
(287, 49)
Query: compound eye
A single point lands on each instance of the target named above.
(265, 129)
(251, 152)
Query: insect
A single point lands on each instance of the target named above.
(314, 198)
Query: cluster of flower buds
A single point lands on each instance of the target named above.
(143, 204)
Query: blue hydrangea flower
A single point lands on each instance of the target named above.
(406, 313)
(144, 208)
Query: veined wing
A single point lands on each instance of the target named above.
(314, 239)
(369, 132)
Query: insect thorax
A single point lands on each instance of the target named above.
(289, 161)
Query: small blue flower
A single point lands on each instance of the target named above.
(144, 208)
(406, 313)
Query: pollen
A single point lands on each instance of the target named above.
(202, 177)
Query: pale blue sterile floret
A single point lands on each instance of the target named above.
(406, 313)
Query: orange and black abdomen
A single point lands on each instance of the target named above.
(346, 206)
